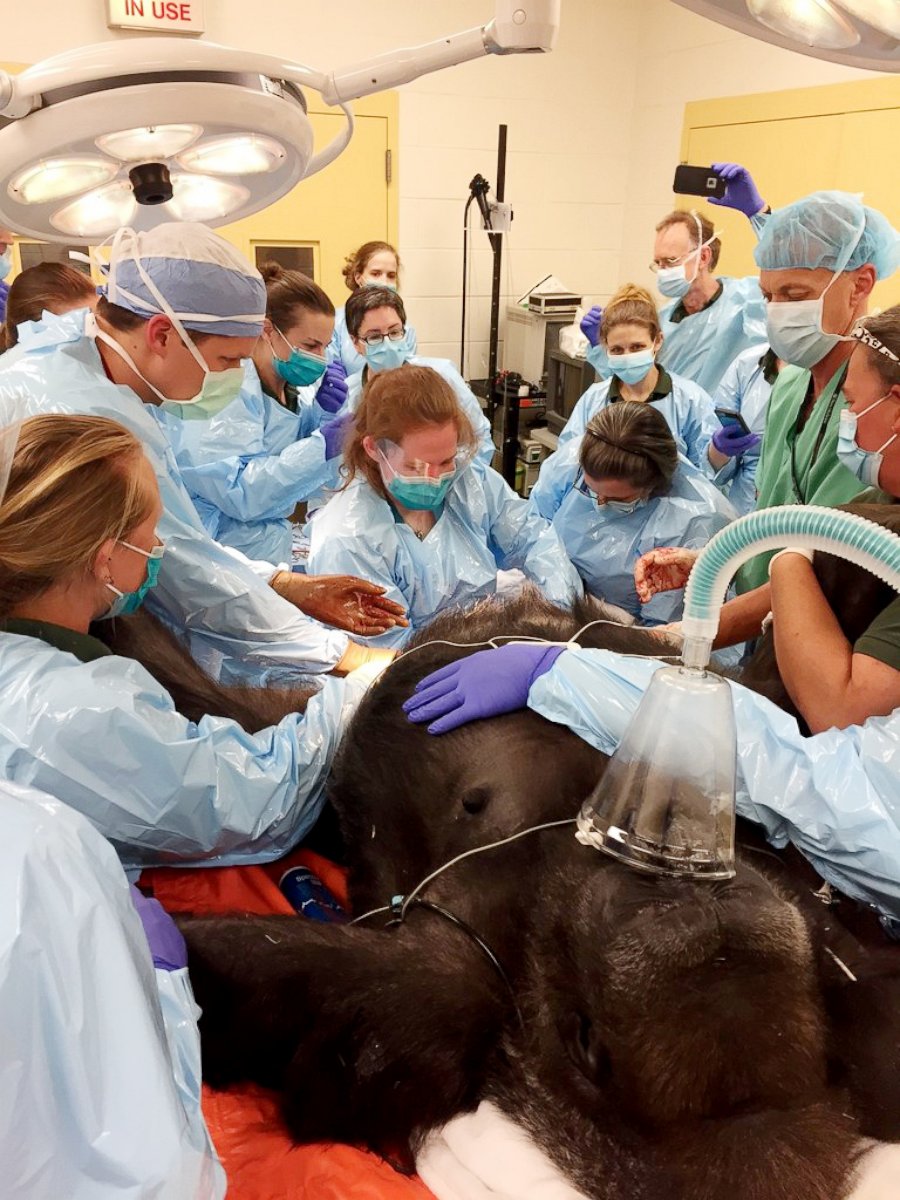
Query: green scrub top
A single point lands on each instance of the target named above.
(82, 645)
(799, 468)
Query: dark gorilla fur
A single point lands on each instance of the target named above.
(659, 1038)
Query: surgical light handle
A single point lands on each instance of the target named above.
(809, 527)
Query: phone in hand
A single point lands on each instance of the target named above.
(729, 417)
(698, 181)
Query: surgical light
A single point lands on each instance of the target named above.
(228, 129)
(815, 22)
(96, 213)
(233, 156)
(857, 33)
(880, 14)
(57, 178)
(148, 143)
(200, 198)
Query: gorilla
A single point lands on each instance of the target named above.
(656, 1037)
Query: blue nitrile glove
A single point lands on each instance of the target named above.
(163, 936)
(486, 684)
(732, 441)
(335, 433)
(742, 193)
(332, 393)
(590, 324)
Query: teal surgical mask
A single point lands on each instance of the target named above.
(865, 464)
(632, 368)
(129, 602)
(387, 354)
(300, 368)
(383, 283)
(417, 492)
(5, 263)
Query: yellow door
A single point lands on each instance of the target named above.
(353, 200)
(842, 136)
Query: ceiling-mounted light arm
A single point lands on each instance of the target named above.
(519, 27)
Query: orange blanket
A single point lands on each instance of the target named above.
(260, 1160)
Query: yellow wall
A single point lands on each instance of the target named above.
(841, 136)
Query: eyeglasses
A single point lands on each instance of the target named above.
(666, 264)
(581, 486)
(392, 335)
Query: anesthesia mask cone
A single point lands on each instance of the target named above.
(665, 803)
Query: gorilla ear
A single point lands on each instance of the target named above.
(475, 800)
(585, 1048)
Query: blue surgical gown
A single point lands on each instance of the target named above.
(744, 389)
(702, 346)
(100, 1072)
(212, 595)
(687, 409)
(605, 545)
(483, 527)
(341, 348)
(835, 796)
(105, 738)
(248, 467)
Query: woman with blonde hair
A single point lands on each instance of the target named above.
(419, 516)
(79, 507)
(630, 342)
(374, 264)
(621, 490)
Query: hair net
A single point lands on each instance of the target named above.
(834, 230)
(209, 286)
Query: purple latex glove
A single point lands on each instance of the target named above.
(163, 936)
(332, 393)
(335, 433)
(742, 193)
(732, 441)
(590, 324)
(486, 684)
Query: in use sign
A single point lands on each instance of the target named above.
(167, 16)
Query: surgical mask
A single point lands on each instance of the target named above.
(624, 508)
(388, 355)
(5, 263)
(599, 359)
(865, 464)
(129, 602)
(418, 492)
(796, 330)
(632, 368)
(673, 282)
(220, 388)
(300, 368)
(379, 283)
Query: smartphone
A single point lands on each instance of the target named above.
(728, 417)
(698, 181)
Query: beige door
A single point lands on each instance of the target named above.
(842, 136)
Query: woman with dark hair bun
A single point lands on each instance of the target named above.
(622, 490)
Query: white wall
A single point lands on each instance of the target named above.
(594, 128)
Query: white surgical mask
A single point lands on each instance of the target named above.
(865, 464)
